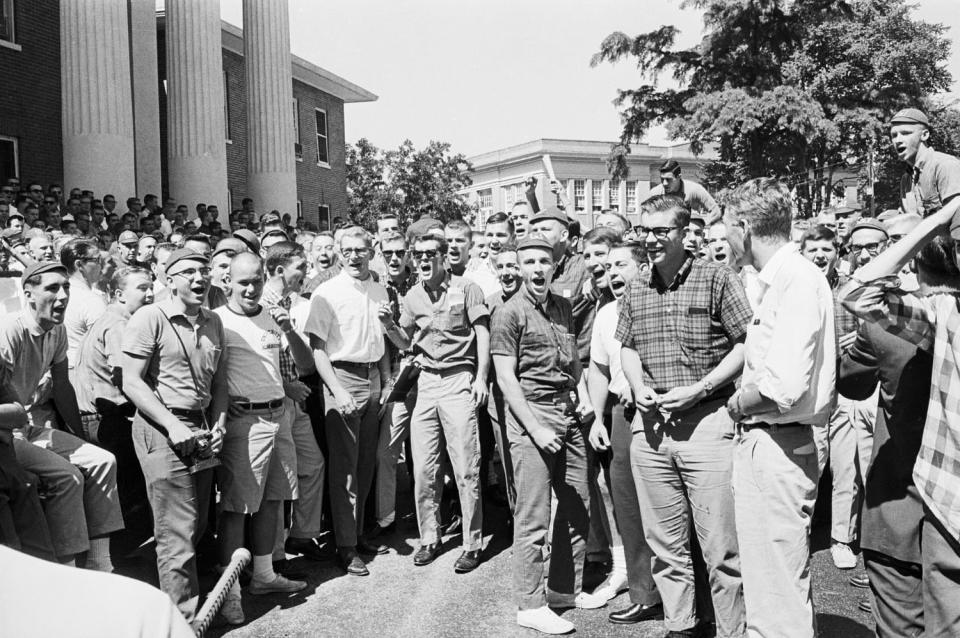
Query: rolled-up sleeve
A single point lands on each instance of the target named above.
(903, 315)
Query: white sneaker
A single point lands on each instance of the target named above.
(611, 587)
(278, 585)
(583, 600)
(232, 610)
(843, 556)
(544, 620)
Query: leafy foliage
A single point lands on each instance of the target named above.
(407, 182)
(797, 89)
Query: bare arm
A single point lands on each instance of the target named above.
(140, 394)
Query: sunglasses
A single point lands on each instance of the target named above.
(398, 253)
(420, 254)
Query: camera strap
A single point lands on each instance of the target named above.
(186, 354)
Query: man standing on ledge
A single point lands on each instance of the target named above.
(787, 389)
(693, 194)
(534, 352)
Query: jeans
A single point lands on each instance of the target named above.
(180, 502)
(537, 474)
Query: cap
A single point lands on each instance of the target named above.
(183, 254)
(910, 116)
(842, 211)
(14, 213)
(128, 237)
(423, 225)
(552, 213)
(231, 243)
(888, 214)
(41, 267)
(868, 223)
(269, 218)
(699, 220)
(274, 232)
(249, 239)
(68, 218)
(535, 241)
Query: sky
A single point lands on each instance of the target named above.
(486, 74)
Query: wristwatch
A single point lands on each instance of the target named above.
(707, 387)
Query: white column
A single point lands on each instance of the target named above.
(146, 95)
(196, 142)
(271, 166)
(97, 117)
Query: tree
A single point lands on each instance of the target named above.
(408, 182)
(785, 88)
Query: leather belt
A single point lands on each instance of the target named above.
(362, 369)
(773, 427)
(184, 413)
(265, 405)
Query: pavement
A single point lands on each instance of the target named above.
(401, 600)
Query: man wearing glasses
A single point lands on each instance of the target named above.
(685, 319)
(348, 344)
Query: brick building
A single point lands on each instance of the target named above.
(32, 126)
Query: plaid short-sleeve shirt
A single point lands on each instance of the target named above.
(683, 329)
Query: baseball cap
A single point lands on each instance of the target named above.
(550, 213)
(269, 218)
(40, 268)
(183, 254)
(535, 241)
(128, 237)
(868, 223)
(230, 244)
(249, 238)
(910, 116)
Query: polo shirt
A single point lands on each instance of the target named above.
(27, 353)
(151, 336)
(252, 344)
(445, 337)
(86, 305)
(682, 330)
(344, 314)
(541, 338)
(936, 179)
(99, 360)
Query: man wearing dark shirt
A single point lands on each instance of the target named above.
(682, 326)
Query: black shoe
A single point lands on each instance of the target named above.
(285, 569)
(861, 581)
(467, 562)
(865, 605)
(351, 562)
(693, 632)
(636, 613)
(305, 547)
(372, 549)
(426, 554)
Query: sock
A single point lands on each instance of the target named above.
(619, 561)
(98, 558)
(263, 568)
(234, 589)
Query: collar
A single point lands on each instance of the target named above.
(444, 283)
(779, 259)
(528, 296)
(923, 155)
(30, 323)
(167, 306)
(679, 278)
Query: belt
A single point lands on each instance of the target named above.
(184, 413)
(353, 366)
(265, 405)
(462, 367)
(773, 427)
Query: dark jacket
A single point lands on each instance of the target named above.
(892, 509)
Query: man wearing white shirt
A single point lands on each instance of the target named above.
(787, 389)
(82, 259)
(348, 344)
(611, 434)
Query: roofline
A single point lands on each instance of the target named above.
(302, 70)
(557, 147)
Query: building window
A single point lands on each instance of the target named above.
(596, 192)
(513, 194)
(226, 105)
(615, 194)
(579, 194)
(7, 31)
(631, 197)
(297, 146)
(9, 159)
(485, 201)
(325, 221)
(323, 157)
(299, 209)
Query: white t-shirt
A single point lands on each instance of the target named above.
(605, 349)
(488, 283)
(85, 306)
(343, 312)
(252, 350)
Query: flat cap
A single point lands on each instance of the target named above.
(551, 213)
(230, 244)
(128, 237)
(868, 223)
(249, 238)
(183, 254)
(910, 116)
(40, 268)
(535, 241)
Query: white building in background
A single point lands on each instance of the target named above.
(581, 167)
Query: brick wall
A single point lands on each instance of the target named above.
(30, 104)
(237, 107)
(317, 184)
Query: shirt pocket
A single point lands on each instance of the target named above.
(696, 327)
(209, 359)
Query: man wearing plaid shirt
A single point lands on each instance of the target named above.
(682, 326)
(932, 322)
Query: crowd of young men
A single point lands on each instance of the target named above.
(664, 396)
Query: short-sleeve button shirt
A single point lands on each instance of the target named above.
(568, 279)
(936, 179)
(444, 321)
(682, 330)
(97, 358)
(27, 352)
(541, 338)
(150, 335)
(344, 314)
